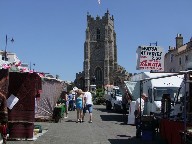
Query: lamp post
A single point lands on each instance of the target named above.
(33, 66)
(5, 54)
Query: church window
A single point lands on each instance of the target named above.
(171, 57)
(98, 74)
(186, 58)
(98, 34)
(180, 61)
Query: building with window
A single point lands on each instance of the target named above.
(179, 58)
(100, 65)
(11, 59)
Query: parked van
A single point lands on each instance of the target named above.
(113, 97)
(154, 85)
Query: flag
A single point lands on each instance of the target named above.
(6, 40)
(99, 1)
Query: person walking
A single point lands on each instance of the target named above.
(88, 104)
(70, 99)
(125, 101)
(139, 108)
(79, 104)
(66, 102)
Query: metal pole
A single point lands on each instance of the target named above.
(141, 90)
(185, 110)
(6, 39)
(30, 66)
(140, 97)
(5, 54)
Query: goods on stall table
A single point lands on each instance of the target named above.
(147, 127)
(58, 112)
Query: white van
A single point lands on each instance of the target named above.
(113, 97)
(154, 85)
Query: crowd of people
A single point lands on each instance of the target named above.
(81, 101)
(78, 100)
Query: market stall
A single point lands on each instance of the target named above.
(4, 81)
(22, 91)
(178, 128)
(162, 90)
(45, 103)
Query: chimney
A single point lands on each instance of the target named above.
(179, 41)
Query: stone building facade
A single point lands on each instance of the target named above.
(100, 65)
(179, 58)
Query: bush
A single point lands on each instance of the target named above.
(99, 96)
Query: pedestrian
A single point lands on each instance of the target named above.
(73, 99)
(88, 104)
(139, 108)
(70, 99)
(74, 92)
(125, 101)
(79, 104)
(66, 102)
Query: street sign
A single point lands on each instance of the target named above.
(150, 58)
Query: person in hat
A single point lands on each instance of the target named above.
(139, 108)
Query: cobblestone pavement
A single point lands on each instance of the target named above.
(107, 128)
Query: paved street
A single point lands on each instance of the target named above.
(107, 128)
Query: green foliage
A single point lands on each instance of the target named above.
(99, 97)
(99, 92)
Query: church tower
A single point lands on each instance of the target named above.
(100, 65)
(100, 50)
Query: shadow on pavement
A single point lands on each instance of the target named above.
(117, 118)
(104, 110)
(108, 111)
(135, 140)
(70, 121)
(119, 141)
(123, 136)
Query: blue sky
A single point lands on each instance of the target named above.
(51, 33)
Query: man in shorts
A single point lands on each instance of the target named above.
(139, 108)
(88, 104)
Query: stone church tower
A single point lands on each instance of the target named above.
(100, 54)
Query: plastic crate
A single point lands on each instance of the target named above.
(147, 125)
(147, 135)
(59, 111)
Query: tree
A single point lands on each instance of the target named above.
(99, 99)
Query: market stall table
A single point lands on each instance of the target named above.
(170, 130)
